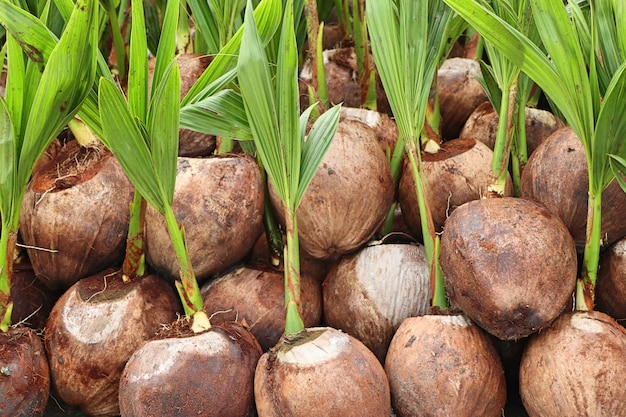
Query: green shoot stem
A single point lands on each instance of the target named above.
(504, 138)
(183, 33)
(134, 265)
(428, 230)
(322, 86)
(118, 41)
(585, 286)
(361, 49)
(312, 28)
(294, 323)
(519, 152)
(395, 163)
(8, 239)
(431, 135)
(188, 290)
(272, 230)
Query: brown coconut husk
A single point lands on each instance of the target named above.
(611, 282)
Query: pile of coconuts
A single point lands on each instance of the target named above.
(510, 266)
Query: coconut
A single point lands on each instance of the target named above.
(443, 365)
(95, 327)
(209, 374)
(255, 296)
(384, 127)
(459, 172)
(219, 203)
(32, 301)
(556, 175)
(576, 368)
(459, 93)
(482, 125)
(74, 217)
(368, 294)
(349, 196)
(611, 282)
(24, 373)
(509, 264)
(191, 67)
(318, 373)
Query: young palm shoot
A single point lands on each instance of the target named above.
(589, 93)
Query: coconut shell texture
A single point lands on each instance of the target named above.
(556, 175)
(256, 297)
(322, 373)
(74, 220)
(368, 294)
(509, 264)
(219, 203)
(459, 93)
(349, 196)
(611, 282)
(482, 125)
(440, 366)
(210, 374)
(576, 368)
(24, 374)
(94, 328)
(458, 173)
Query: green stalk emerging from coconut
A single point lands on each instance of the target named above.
(587, 83)
(37, 107)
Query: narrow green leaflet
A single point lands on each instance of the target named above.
(206, 23)
(68, 76)
(138, 64)
(163, 126)
(125, 140)
(7, 163)
(167, 43)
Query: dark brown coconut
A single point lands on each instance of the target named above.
(368, 294)
(74, 218)
(191, 67)
(323, 372)
(509, 264)
(459, 93)
(95, 327)
(611, 283)
(482, 125)
(556, 175)
(256, 296)
(209, 374)
(32, 301)
(349, 196)
(219, 202)
(458, 173)
(576, 368)
(24, 374)
(441, 366)
(340, 66)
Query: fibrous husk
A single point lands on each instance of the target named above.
(94, 328)
(322, 372)
(509, 264)
(255, 297)
(209, 374)
(459, 93)
(556, 175)
(482, 125)
(459, 172)
(24, 373)
(219, 202)
(384, 127)
(349, 196)
(576, 368)
(444, 365)
(75, 214)
(369, 293)
(32, 301)
(611, 282)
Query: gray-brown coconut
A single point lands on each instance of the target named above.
(459, 172)
(556, 175)
(74, 217)
(256, 296)
(321, 372)
(611, 282)
(575, 368)
(509, 264)
(219, 202)
(368, 294)
(444, 365)
(482, 125)
(349, 196)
